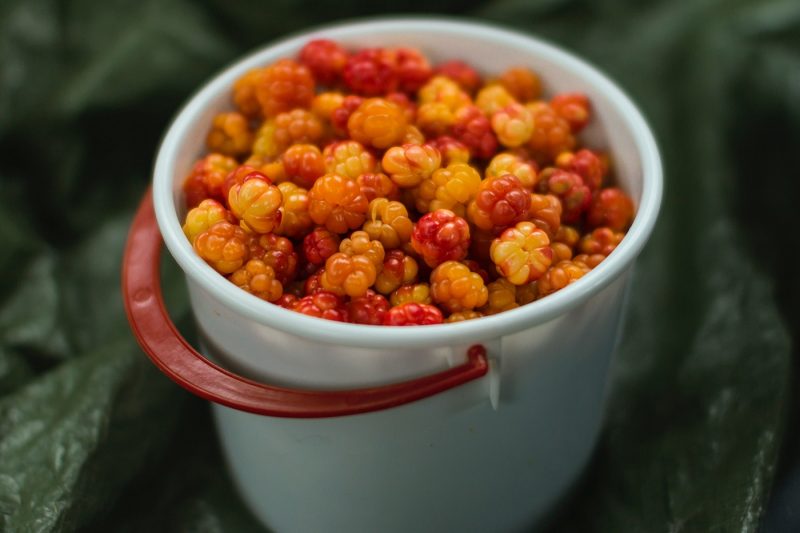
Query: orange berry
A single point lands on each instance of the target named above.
(522, 253)
(325, 104)
(600, 241)
(303, 164)
(295, 220)
(502, 297)
(389, 223)
(545, 212)
(360, 243)
(564, 242)
(493, 98)
(463, 315)
(574, 108)
(611, 207)
(378, 185)
(591, 261)
(435, 118)
(412, 136)
(508, 163)
(527, 293)
(551, 133)
(348, 275)
(377, 122)
(337, 203)
(450, 188)
(292, 127)
(206, 179)
(223, 246)
(419, 293)
(284, 86)
(349, 159)
(513, 125)
(522, 83)
(202, 217)
(258, 278)
(443, 90)
(456, 288)
(559, 276)
(409, 164)
(230, 135)
(244, 92)
(399, 269)
(256, 202)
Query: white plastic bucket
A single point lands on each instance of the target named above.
(344, 427)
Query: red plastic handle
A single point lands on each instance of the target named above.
(171, 353)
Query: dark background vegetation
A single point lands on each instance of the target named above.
(701, 426)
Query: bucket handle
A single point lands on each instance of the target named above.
(175, 357)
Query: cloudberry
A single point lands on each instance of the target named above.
(527, 293)
(312, 283)
(545, 212)
(295, 220)
(610, 207)
(412, 314)
(502, 297)
(349, 159)
(399, 269)
(413, 69)
(346, 274)
(258, 278)
(277, 252)
(413, 136)
(230, 135)
(461, 73)
(202, 217)
(463, 315)
(244, 92)
(600, 241)
(559, 276)
(508, 163)
(367, 309)
(456, 288)
(206, 179)
(522, 83)
(256, 202)
(574, 108)
(522, 253)
(586, 164)
(371, 72)
(435, 118)
(341, 114)
(474, 130)
(292, 127)
(564, 242)
(451, 150)
(377, 122)
(322, 304)
(378, 185)
(501, 201)
(284, 86)
(325, 59)
(493, 98)
(325, 104)
(287, 301)
(360, 243)
(319, 245)
(513, 125)
(409, 108)
(337, 203)
(418, 293)
(444, 91)
(303, 164)
(441, 236)
(409, 164)
(389, 223)
(551, 133)
(450, 188)
(569, 187)
(591, 261)
(223, 246)
(273, 169)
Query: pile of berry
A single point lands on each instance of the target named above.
(373, 188)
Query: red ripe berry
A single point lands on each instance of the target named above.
(569, 187)
(413, 69)
(574, 108)
(501, 201)
(371, 72)
(312, 283)
(441, 236)
(325, 58)
(342, 114)
(368, 309)
(322, 304)
(287, 301)
(610, 207)
(585, 164)
(461, 73)
(319, 245)
(474, 129)
(413, 314)
(277, 252)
